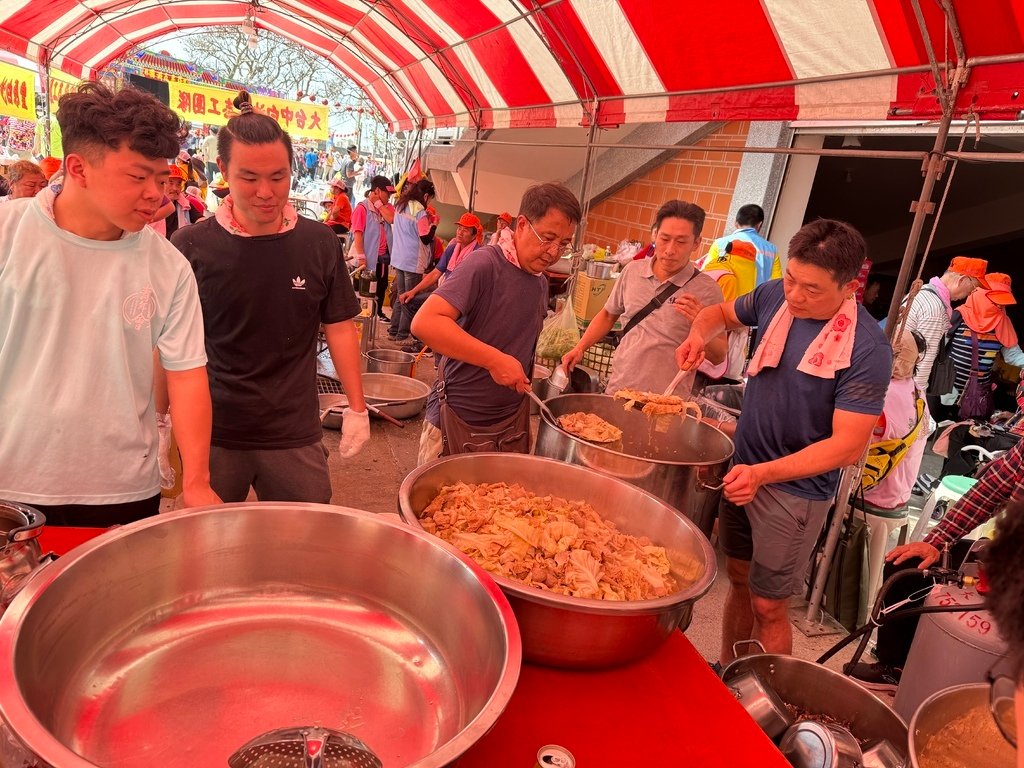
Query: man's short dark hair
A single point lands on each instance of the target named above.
(750, 215)
(835, 246)
(680, 209)
(95, 118)
(541, 198)
(1006, 580)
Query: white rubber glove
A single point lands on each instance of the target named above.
(163, 430)
(355, 432)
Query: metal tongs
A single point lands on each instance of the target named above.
(677, 380)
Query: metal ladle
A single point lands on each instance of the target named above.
(312, 747)
(543, 406)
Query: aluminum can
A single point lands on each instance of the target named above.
(554, 756)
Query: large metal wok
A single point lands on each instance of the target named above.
(820, 691)
(173, 641)
(577, 632)
(681, 460)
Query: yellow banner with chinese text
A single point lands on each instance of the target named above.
(17, 92)
(203, 104)
(60, 84)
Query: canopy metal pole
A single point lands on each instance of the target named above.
(44, 63)
(865, 154)
(476, 157)
(921, 207)
(585, 176)
(871, 154)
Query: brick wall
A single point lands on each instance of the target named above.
(703, 176)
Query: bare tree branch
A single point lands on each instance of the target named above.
(275, 63)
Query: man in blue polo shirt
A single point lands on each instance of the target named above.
(817, 382)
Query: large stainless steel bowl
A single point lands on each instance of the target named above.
(569, 631)
(173, 641)
(820, 691)
(681, 460)
(408, 396)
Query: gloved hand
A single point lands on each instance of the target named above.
(355, 432)
(163, 430)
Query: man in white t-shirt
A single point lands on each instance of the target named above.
(89, 295)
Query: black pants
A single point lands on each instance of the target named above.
(895, 636)
(99, 515)
(383, 272)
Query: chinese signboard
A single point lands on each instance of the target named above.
(17, 92)
(60, 84)
(203, 104)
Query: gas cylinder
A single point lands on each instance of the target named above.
(950, 649)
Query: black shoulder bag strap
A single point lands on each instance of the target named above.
(664, 295)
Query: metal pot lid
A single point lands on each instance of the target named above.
(810, 744)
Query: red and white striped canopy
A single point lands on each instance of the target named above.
(529, 63)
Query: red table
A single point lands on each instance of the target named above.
(59, 539)
(666, 710)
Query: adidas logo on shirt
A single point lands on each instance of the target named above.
(298, 283)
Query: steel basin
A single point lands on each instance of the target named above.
(403, 397)
(941, 707)
(683, 465)
(389, 387)
(819, 690)
(390, 361)
(172, 641)
(563, 631)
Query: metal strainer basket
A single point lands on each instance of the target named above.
(312, 747)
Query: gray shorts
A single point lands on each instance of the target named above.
(776, 534)
(285, 474)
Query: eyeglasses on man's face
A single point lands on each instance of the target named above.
(552, 245)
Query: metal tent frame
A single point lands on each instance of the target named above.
(949, 79)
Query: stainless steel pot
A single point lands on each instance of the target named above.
(811, 744)
(820, 691)
(574, 632)
(20, 526)
(943, 706)
(390, 361)
(683, 465)
(600, 270)
(762, 703)
(175, 640)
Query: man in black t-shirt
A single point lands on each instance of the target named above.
(268, 279)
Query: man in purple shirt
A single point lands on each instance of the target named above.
(485, 321)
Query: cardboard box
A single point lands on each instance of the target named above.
(590, 295)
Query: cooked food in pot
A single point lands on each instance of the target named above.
(552, 543)
(589, 426)
(970, 740)
(654, 404)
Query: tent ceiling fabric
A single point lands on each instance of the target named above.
(535, 63)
